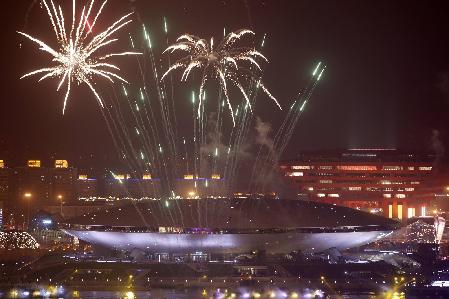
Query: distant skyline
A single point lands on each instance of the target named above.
(386, 82)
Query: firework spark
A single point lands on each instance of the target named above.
(222, 62)
(77, 59)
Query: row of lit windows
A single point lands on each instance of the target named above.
(383, 182)
(359, 167)
(37, 164)
(336, 195)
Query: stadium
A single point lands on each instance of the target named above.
(228, 226)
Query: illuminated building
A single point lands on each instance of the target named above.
(4, 183)
(33, 187)
(86, 187)
(204, 186)
(64, 184)
(228, 226)
(384, 181)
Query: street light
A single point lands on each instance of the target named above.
(27, 196)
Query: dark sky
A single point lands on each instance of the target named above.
(386, 83)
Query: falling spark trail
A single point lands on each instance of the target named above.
(221, 62)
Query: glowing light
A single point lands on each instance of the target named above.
(34, 163)
(130, 295)
(316, 69)
(77, 60)
(61, 164)
(321, 73)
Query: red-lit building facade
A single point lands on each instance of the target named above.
(389, 182)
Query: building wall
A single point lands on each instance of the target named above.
(396, 184)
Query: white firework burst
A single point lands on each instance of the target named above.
(223, 62)
(77, 59)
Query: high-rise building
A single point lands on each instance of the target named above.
(64, 182)
(27, 189)
(86, 187)
(394, 183)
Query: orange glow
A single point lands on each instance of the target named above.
(61, 164)
(34, 163)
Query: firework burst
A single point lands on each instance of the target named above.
(77, 59)
(223, 63)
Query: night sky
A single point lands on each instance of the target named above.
(386, 83)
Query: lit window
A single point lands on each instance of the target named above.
(384, 182)
(400, 195)
(2, 164)
(301, 167)
(188, 177)
(333, 195)
(216, 177)
(423, 211)
(426, 168)
(326, 167)
(410, 212)
(387, 195)
(400, 211)
(325, 181)
(391, 168)
(414, 183)
(146, 176)
(310, 188)
(411, 168)
(409, 189)
(390, 211)
(82, 177)
(295, 173)
(61, 164)
(119, 176)
(34, 163)
(355, 188)
(321, 195)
